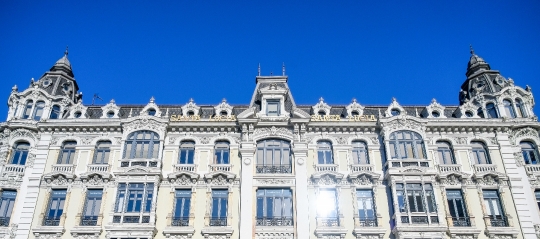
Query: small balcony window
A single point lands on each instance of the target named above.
(102, 152)
(360, 153)
(479, 153)
(324, 152)
(67, 153)
(274, 207)
(221, 153)
(182, 204)
(457, 208)
(274, 156)
(187, 152)
(530, 152)
(445, 153)
(406, 144)
(492, 203)
(327, 208)
(142, 144)
(92, 206)
(55, 208)
(6, 206)
(20, 153)
(366, 208)
(219, 203)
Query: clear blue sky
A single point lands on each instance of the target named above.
(209, 50)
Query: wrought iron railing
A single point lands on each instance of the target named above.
(461, 221)
(180, 221)
(218, 222)
(51, 221)
(329, 222)
(498, 221)
(89, 221)
(367, 222)
(274, 221)
(131, 219)
(4, 221)
(139, 162)
(419, 220)
(278, 169)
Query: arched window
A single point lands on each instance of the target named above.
(324, 152)
(221, 155)
(530, 152)
(479, 153)
(67, 153)
(273, 156)
(360, 153)
(142, 144)
(520, 108)
(406, 144)
(509, 109)
(102, 152)
(55, 112)
(492, 112)
(187, 152)
(20, 153)
(445, 153)
(38, 110)
(28, 109)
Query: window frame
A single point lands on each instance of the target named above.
(365, 198)
(186, 153)
(496, 213)
(19, 156)
(530, 155)
(509, 108)
(218, 214)
(37, 112)
(416, 142)
(277, 103)
(444, 150)
(132, 145)
(181, 217)
(458, 210)
(325, 152)
(57, 200)
(69, 148)
(491, 109)
(423, 194)
(7, 202)
(55, 113)
(520, 108)
(93, 199)
(272, 164)
(476, 151)
(222, 152)
(141, 197)
(332, 195)
(102, 154)
(266, 196)
(360, 148)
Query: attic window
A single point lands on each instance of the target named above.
(322, 113)
(77, 114)
(468, 114)
(272, 108)
(355, 113)
(395, 112)
(223, 113)
(110, 114)
(151, 112)
(435, 114)
(190, 113)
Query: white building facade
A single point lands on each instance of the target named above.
(270, 169)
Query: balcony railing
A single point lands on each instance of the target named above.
(13, 168)
(51, 221)
(532, 168)
(498, 221)
(447, 168)
(401, 163)
(89, 220)
(180, 221)
(100, 168)
(484, 168)
(185, 167)
(361, 168)
(326, 167)
(275, 221)
(218, 222)
(63, 168)
(4, 221)
(131, 219)
(461, 221)
(367, 222)
(277, 169)
(139, 162)
(220, 167)
(328, 221)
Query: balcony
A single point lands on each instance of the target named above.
(273, 169)
(397, 163)
(532, 169)
(328, 222)
(63, 168)
(180, 221)
(326, 167)
(220, 167)
(449, 168)
(89, 220)
(13, 169)
(367, 222)
(4, 221)
(356, 168)
(98, 168)
(485, 168)
(218, 222)
(275, 221)
(51, 221)
(461, 221)
(185, 167)
(498, 221)
(131, 219)
(139, 162)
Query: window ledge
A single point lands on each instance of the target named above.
(95, 230)
(494, 231)
(364, 231)
(58, 230)
(454, 231)
(169, 231)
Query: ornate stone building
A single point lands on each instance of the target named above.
(270, 169)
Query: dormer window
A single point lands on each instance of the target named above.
(321, 113)
(520, 108)
(435, 114)
(55, 112)
(395, 112)
(28, 109)
(38, 111)
(110, 114)
(272, 107)
(355, 113)
(469, 114)
(223, 113)
(509, 109)
(151, 112)
(190, 113)
(492, 112)
(78, 114)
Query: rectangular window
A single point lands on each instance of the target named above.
(327, 208)
(272, 107)
(6, 206)
(274, 207)
(457, 208)
(273, 156)
(92, 207)
(187, 152)
(218, 214)
(55, 207)
(416, 198)
(366, 208)
(360, 154)
(134, 198)
(182, 203)
(67, 153)
(221, 155)
(493, 205)
(103, 150)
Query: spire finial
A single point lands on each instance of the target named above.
(472, 50)
(283, 68)
(354, 100)
(321, 99)
(152, 99)
(259, 70)
(66, 52)
(224, 100)
(190, 100)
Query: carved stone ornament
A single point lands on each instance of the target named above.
(190, 106)
(321, 106)
(274, 181)
(394, 106)
(145, 122)
(219, 178)
(362, 180)
(354, 107)
(183, 178)
(489, 180)
(95, 179)
(151, 106)
(78, 111)
(327, 178)
(223, 107)
(519, 134)
(403, 123)
(453, 179)
(520, 161)
(433, 107)
(468, 108)
(58, 180)
(273, 131)
(111, 107)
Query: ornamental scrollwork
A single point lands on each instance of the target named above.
(145, 122)
(273, 131)
(523, 133)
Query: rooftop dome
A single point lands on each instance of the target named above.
(476, 63)
(63, 64)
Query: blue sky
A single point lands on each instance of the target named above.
(209, 50)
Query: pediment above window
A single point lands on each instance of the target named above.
(220, 178)
(151, 109)
(58, 179)
(110, 110)
(327, 178)
(223, 107)
(78, 111)
(273, 88)
(145, 122)
(433, 110)
(95, 178)
(490, 179)
(394, 109)
(321, 107)
(403, 122)
(183, 178)
(190, 109)
(354, 108)
(467, 110)
(364, 178)
(453, 178)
